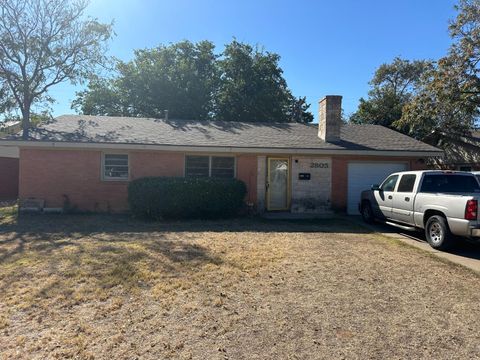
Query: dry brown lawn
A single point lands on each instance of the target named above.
(110, 287)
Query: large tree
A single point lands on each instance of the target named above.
(393, 85)
(448, 99)
(43, 43)
(252, 88)
(191, 81)
(179, 77)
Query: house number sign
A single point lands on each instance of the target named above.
(317, 165)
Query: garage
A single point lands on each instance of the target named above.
(362, 175)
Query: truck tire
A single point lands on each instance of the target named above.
(367, 212)
(437, 233)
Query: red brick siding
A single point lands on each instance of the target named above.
(156, 164)
(50, 174)
(340, 175)
(247, 172)
(8, 178)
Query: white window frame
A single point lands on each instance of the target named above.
(107, 178)
(210, 156)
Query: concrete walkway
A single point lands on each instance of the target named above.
(465, 254)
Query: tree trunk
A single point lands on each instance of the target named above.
(26, 122)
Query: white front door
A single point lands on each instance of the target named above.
(362, 175)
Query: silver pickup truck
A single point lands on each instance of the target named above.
(442, 203)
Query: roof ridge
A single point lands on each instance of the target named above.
(188, 120)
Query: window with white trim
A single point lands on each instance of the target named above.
(115, 167)
(210, 166)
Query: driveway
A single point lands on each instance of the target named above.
(464, 253)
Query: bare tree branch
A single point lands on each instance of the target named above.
(44, 43)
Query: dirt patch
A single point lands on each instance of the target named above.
(112, 287)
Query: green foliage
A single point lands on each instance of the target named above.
(448, 98)
(184, 198)
(393, 86)
(428, 99)
(180, 78)
(191, 81)
(252, 87)
(43, 43)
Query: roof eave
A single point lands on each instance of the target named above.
(219, 149)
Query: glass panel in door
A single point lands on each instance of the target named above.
(278, 184)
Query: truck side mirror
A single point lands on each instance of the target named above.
(375, 187)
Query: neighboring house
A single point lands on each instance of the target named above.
(89, 160)
(9, 127)
(9, 164)
(460, 152)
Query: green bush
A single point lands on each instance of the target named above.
(185, 198)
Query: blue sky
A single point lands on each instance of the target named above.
(327, 47)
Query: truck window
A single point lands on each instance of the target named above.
(389, 184)
(406, 183)
(449, 183)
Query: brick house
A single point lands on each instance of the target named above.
(295, 167)
(461, 152)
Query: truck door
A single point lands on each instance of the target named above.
(402, 209)
(384, 197)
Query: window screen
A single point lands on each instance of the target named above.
(406, 183)
(115, 166)
(389, 184)
(223, 167)
(197, 166)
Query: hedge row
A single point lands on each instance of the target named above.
(185, 198)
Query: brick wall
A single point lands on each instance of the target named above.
(8, 178)
(261, 182)
(51, 174)
(340, 175)
(247, 172)
(54, 175)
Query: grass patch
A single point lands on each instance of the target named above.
(111, 286)
(8, 213)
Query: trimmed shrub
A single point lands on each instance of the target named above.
(185, 198)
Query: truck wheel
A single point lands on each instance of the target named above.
(437, 233)
(367, 213)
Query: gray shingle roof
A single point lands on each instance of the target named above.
(145, 131)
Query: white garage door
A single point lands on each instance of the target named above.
(361, 176)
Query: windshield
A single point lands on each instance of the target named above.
(449, 183)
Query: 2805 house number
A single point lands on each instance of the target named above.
(315, 165)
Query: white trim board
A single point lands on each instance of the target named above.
(9, 152)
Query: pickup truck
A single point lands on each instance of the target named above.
(444, 204)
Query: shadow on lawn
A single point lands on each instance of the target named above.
(57, 266)
(74, 226)
(46, 233)
(88, 242)
(462, 247)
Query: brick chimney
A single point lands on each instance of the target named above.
(330, 118)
